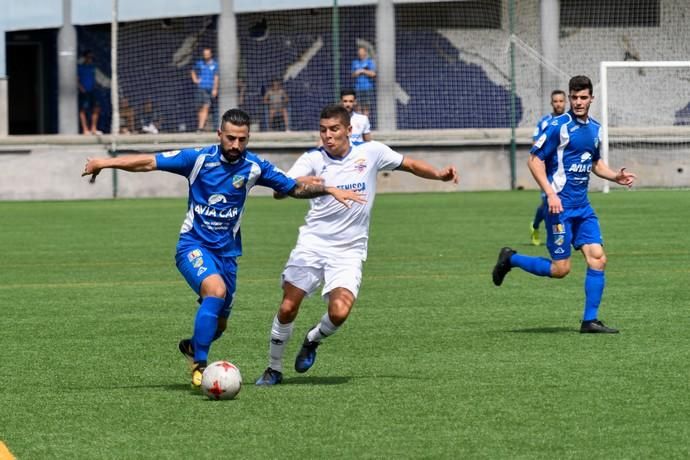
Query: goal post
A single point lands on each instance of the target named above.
(605, 101)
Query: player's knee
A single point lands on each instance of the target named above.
(339, 309)
(213, 286)
(288, 311)
(560, 270)
(597, 263)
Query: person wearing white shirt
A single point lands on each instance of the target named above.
(361, 128)
(332, 244)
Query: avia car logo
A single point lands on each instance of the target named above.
(216, 198)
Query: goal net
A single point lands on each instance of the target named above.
(645, 115)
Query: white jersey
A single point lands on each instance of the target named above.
(360, 126)
(330, 225)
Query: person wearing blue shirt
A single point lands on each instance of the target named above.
(220, 177)
(88, 99)
(558, 106)
(561, 160)
(205, 77)
(364, 73)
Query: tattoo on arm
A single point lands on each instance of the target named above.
(307, 191)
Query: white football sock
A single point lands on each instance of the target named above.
(322, 330)
(280, 334)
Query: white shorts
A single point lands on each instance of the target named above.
(306, 269)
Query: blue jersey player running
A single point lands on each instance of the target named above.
(560, 161)
(220, 177)
(558, 107)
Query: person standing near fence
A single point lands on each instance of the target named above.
(205, 77)
(361, 128)
(364, 73)
(561, 160)
(89, 105)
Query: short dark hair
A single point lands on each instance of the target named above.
(236, 117)
(557, 91)
(336, 111)
(348, 92)
(579, 83)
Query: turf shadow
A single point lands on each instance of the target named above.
(317, 381)
(545, 330)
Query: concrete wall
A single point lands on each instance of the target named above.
(49, 167)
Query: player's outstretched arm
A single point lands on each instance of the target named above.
(131, 163)
(622, 177)
(423, 169)
(313, 186)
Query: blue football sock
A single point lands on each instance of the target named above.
(205, 325)
(538, 216)
(217, 335)
(539, 266)
(594, 289)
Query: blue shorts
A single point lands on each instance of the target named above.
(573, 226)
(197, 263)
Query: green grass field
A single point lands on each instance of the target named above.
(434, 362)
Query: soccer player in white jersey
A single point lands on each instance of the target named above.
(361, 128)
(220, 177)
(558, 107)
(332, 244)
(561, 161)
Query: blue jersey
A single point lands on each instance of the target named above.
(363, 82)
(568, 148)
(87, 76)
(218, 190)
(542, 124)
(206, 73)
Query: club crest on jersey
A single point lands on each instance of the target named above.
(558, 229)
(195, 254)
(198, 262)
(558, 241)
(237, 181)
(360, 165)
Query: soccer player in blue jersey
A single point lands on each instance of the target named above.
(220, 177)
(560, 161)
(558, 107)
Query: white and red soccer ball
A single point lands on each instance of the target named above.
(221, 380)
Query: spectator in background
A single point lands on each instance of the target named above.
(151, 120)
(127, 117)
(276, 100)
(364, 73)
(205, 77)
(89, 107)
(361, 128)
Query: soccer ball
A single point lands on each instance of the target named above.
(221, 380)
